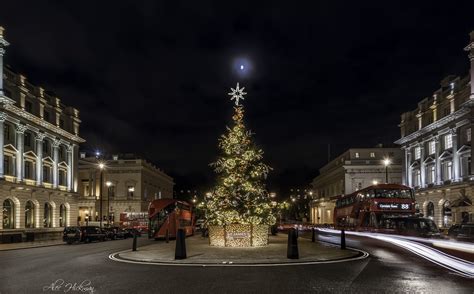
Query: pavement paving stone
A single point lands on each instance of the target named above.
(199, 252)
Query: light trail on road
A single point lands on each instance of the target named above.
(460, 266)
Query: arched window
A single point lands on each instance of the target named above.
(8, 214)
(446, 213)
(430, 210)
(48, 215)
(29, 214)
(62, 215)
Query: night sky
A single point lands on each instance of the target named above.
(152, 77)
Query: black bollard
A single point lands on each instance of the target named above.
(134, 247)
(180, 251)
(343, 239)
(292, 251)
(167, 237)
(313, 235)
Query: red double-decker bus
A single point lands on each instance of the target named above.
(366, 209)
(166, 216)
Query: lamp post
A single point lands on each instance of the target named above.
(101, 167)
(108, 184)
(386, 162)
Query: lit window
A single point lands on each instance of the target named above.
(468, 135)
(372, 154)
(448, 141)
(432, 147)
(417, 152)
(357, 155)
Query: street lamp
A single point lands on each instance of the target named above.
(108, 184)
(101, 167)
(386, 162)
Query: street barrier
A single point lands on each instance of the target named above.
(180, 250)
(292, 251)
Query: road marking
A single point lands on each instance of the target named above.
(364, 255)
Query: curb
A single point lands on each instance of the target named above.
(31, 247)
(116, 257)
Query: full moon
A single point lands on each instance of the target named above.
(241, 67)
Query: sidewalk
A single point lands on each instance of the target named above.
(199, 252)
(24, 245)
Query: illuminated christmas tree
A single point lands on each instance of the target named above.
(239, 195)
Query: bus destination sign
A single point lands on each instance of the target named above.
(391, 206)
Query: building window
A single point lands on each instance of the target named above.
(432, 173)
(27, 139)
(62, 177)
(417, 153)
(6, 132)
(111, 191)
(29, 215)
(468, 135)
(446, 214)
(29, 170)
(48, 215)
(372, 154)
(29, 106)
(417, 178)
(62, 215)
(357, 155)
(446, 111)
(8, 214)
(86, 189)
(61, 123)
(46, 176)
(46, 116)
(7, 165)
(447, 170)
(46, 147)
(430, 210)
(130, 191)
(432, 147)
(448, 141)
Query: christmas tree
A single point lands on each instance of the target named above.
(239, 195)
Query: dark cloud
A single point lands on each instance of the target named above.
(152, 77)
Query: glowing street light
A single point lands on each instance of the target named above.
(386, 162)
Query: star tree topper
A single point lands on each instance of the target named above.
(237, 94)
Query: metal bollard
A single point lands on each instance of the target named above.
(134, 247)
(180, 250)
(313, 235)
(343, 239)
(167, 237)
(292, 251)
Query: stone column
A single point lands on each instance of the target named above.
(55, 162)
(470, 48)
(409, 176)
(438, 162)
(405, 167)
(456, 164)
(70, 150)
(3, 45)
(39, 160)
(20, 131)
(3, 117)
(422, 165)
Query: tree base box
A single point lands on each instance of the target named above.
(238, 235)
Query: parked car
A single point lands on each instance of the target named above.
(109, 233)
(199, 224)
(83, 234)
(462, 232)
(129, 232)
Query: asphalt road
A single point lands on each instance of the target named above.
(388, 270)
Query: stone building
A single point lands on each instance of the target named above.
(436, 139)
(355, 169)
(38, 161)
(129, 184)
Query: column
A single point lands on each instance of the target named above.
(3, 117)
(20, 131)
(70, 149)
(55, 163)
(470, 48)
(409, 177)
(422, 165)
(456, 164)
(405, 166)
(3, 45)
(39, 159)
(438, 181)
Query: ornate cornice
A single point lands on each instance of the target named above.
(8, 105)
(433, 126)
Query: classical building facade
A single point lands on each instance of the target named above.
(128, 183)
(355, 169)
(39, 136)
(436, 139)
